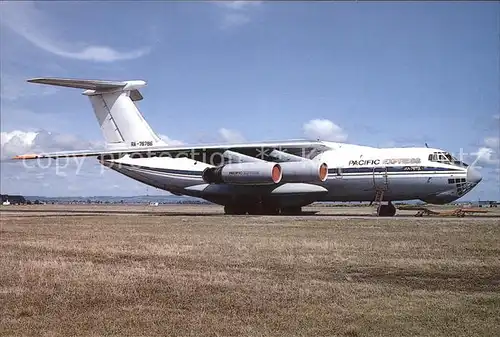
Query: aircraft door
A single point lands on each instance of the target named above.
(380, 178)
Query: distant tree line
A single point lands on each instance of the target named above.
(13, 199)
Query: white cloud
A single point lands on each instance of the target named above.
(26, 20)
(238, 5)
(231, 136)
(72, 176)
(487, 157)
(171, 142)
(236, 13)
(15, 142)
(324, 129)
(492, 142)
(75, 176)
(21, 142)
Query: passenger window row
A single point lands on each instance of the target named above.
(458, 180)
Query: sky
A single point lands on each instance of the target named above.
(385, 74)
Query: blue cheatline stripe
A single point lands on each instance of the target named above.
(391, 175)
(392, 169)
(398, 170)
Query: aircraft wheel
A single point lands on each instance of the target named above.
(234, 210)
(391, 210)
(260, 209)
(291, 210)
(253, 210)
(386, 210)
(272, 210)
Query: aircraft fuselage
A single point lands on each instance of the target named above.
(355, 173)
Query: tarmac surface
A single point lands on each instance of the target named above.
(344, 212)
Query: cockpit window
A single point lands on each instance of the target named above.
(441, 157)
(445, 158)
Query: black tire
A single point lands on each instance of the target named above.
(272, 211)
(262, 209)
(234, 210)
(386, 210)
(291, 210)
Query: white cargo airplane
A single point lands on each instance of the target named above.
(267, 177)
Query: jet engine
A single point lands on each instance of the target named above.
(304, 172)
(253, 173)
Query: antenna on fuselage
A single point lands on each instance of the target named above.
(426, 145)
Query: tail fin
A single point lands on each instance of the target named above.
(121, 123)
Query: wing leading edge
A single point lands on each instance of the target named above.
(202, 153)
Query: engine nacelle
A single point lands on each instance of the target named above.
(304, 172)
(258, 173)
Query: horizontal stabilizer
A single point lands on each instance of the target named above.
(95, 86)
(81, 84)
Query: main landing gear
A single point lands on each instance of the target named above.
(386, 210)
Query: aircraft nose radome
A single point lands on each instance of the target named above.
(473, 176)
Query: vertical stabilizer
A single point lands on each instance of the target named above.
(121, 122)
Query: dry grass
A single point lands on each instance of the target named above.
(159, 274)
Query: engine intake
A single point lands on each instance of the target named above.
(261, 173)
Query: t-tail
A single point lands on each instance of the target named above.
(121, 122)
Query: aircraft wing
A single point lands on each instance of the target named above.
(204, 153)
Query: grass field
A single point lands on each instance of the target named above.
(161, 273)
